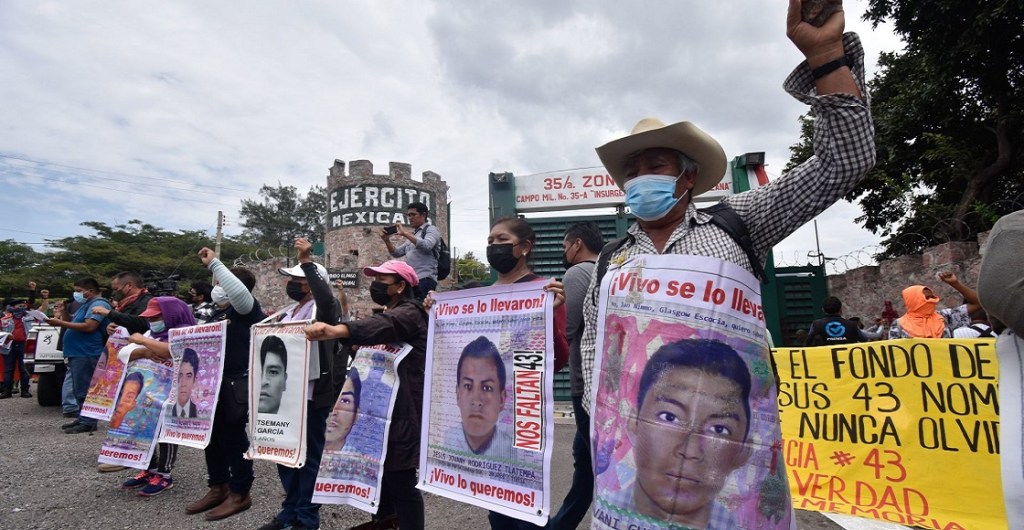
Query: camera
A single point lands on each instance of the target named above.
(391, 229)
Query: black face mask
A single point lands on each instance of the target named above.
(379, 293)
(294, 291)
(501, 258)
(565, 260)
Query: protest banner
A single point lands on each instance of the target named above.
(874, 430)
(685, 422)
(1010, 348)
(278, 390)
(136, 420)
(106, 379)
(357, 429)
(487, 416)
(198, 356)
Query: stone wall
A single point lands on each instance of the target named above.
(864, 290)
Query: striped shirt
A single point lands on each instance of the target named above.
(844, 151)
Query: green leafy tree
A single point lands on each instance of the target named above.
(949, 121)
(18, 263)
(284, 214)
(471, 269)
(135, 246)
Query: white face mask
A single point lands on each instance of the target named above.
(218, 296)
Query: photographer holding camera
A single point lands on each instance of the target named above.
(420, 250)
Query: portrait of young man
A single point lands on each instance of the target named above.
(689, 433)
(274, 361)
(184, 407)
(481, 396)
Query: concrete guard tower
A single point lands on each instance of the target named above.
(360, 203)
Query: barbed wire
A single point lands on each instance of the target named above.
(906, 244)
(263, 255)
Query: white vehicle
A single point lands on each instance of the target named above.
(43, 358)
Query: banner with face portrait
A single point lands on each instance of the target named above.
(487, 412)
(106, 379)
(198, 356)
(136, 420)
(278, 390)
(685, 424)
(357, 429)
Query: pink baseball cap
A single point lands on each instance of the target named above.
(394, 266)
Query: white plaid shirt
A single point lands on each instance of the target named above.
(844, 151)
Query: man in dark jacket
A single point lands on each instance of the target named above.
(307, 286)
(833, 328)
(131, 295)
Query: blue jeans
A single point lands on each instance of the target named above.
(425, 286)
(298, 483)
(81, 374)
(581, 494)
(67, 394)
(16, 357)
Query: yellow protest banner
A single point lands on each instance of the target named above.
(905, 431)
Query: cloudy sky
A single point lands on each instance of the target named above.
(169, 111)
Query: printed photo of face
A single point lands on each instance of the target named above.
(274, 358)
(186, 382)
(690, 431)
(480, 393)
(126, 401)
(339, 423)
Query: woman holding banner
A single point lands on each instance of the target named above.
(163, 313)
(403, 320)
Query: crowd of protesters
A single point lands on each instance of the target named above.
(659, 167)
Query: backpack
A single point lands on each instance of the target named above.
(444, 259)
(722, 216)
(982, 333)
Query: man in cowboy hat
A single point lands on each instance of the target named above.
(662, 167)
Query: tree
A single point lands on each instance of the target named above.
(18, 263)
(155, 253)
(949, 121)
(283, 215)
(471, 269)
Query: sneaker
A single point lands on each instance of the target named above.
(75, 423)
(5, 394)
(110, 468)
(80, 428)
(140, 479)
(157, 485)
(26, 394)
(276, 524)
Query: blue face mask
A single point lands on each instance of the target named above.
(79, 297)
(651, 197)
(158, 326)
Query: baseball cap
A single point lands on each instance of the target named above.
(152, 309)
(298, 272)
(394, 266)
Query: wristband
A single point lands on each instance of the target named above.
(830, 67)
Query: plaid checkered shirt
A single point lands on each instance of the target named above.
(844, 151)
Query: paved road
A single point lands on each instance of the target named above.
(49, 481)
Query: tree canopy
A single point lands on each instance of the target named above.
(949, 122)
(471, 269)
(283, 215)
(155, 253)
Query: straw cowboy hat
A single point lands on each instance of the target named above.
(684, 137)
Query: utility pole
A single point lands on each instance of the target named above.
(220, 232)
